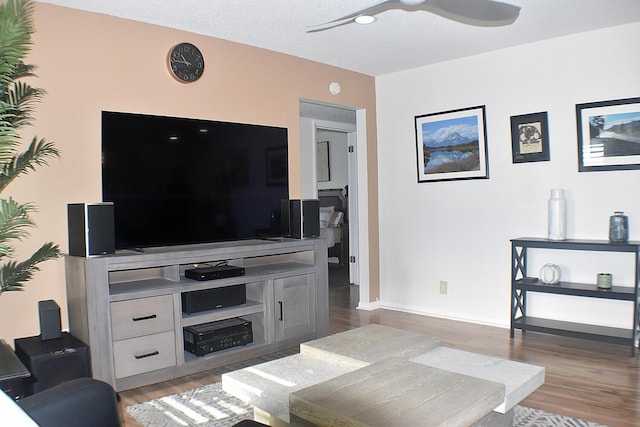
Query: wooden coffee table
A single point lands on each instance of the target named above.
(396, 392)
(380, 376)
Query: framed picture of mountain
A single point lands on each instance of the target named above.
(608, 135)
(452, 145)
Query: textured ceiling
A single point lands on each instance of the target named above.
(399, 40)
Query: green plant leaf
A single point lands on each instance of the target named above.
(37, 154)
(17, 105)
(14, 275)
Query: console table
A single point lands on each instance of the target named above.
(127, 306)
(520, 287)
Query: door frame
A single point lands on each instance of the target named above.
(358, 194)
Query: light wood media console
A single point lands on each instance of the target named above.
(127, 306)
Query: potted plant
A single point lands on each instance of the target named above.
(17, 100)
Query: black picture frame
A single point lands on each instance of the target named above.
(530, 138)
(452, 145)
(277, 166)
(323, 162)
(608, 135)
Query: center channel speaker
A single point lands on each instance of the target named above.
(91, 229)
(300, 218)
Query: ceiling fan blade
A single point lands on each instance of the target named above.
(482, 13)
(379, 7)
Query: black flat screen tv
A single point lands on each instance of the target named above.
(179, 181)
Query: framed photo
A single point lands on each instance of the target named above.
(277, 166)
(609, 135)
(452, 145)
(530, 138)
(322, 161)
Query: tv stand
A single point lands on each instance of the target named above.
(127, 307)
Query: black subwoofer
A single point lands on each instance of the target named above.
(52, 361)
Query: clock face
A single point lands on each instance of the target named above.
(186, 62)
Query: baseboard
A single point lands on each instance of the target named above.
(368, 306)
(440, 315)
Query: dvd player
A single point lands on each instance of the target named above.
(215, 272)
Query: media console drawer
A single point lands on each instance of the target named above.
(142, 316)
(144, 354)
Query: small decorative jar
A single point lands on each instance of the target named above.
(550, 274)
(618, 227)
(603, 280)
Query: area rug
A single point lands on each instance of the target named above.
(209, 406)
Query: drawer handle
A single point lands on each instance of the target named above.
(137, 319)
(142, 356)
(281, 311)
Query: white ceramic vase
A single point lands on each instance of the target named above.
(557, 225)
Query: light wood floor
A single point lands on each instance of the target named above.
(593, 381)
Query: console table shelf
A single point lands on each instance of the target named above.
(521, 286)
(251, 307)
(580, 289)
(575, 330)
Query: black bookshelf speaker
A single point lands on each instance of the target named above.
(50, 324)
(53, 361)
(91, 229)
(300, 218)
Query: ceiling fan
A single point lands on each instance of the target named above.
(482, 13)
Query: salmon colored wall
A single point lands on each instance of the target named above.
(89, 62)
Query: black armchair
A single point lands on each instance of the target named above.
(79, 402)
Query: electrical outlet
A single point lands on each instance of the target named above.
(443, 287)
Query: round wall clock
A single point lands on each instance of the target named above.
(186, 62)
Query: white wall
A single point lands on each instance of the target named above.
(459, 231)
(338, 161)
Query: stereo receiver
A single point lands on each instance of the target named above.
(215, 336)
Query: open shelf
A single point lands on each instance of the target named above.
(144, 287)
(575, 330)
(192, 358)
(278, 268)
(141, 288)
(626, 293)
(251, 307)
(577, 244)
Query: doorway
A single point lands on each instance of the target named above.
(328, 145)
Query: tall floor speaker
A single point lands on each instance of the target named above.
(91, 229)
(53, 361)
(300, 218)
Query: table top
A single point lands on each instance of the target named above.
(520, 379)
(10, 366)
(397, 392)
(370, 344)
